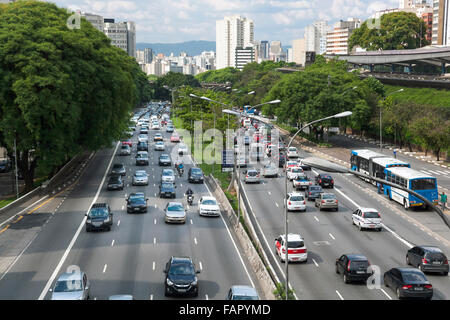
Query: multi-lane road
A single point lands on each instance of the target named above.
(131, 257)
(330, 234)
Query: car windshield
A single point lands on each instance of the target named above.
(140, 175)
(137, 200)
(296, 198)
(167, 186)
(114, 179)
(126, 147)
(318, 189)
(328, 196)
(181, 269)
(196, 171)
(292, 149)
(359, 264)
(68, 286)
(413, 277)
(435, 256)
(175, 207)
(296, 170)
(325, 177)
(118, 166)
(302, 178)
(209, 202)
(167, 173)
(295, 244)
(252, 173)
(142, 155)
(371, 214)
(98, 212)
(164, 156)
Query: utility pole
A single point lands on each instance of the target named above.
(15, 165)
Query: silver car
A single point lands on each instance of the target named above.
(327, 201)
(71, 286)
(159, 146)
(252, 176)
(242, 293)
(168, 175)
(140, 178)
(175, 213)
(270, 171)
(125, 150)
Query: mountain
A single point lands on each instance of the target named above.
(192, 48)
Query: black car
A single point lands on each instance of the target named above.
(119, 168)
(353, 267)
(281, 160)
(167, 190)
(324, 180)
(313, 192)
(181, 277)
(99, 217)
(143, 130)
(5, 166)
(115, 182)
(164, 160)
(142, 146)
(137, 202)
(427, 259)
(195, 175)
(408, 283)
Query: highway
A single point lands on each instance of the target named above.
(330, 234)
(131, 257)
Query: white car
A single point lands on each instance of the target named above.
(367, 218)
(297, 251)
(241, 161)
(208, 206)
(182, 149)
(292, 152)
(168, 175)
(301, 182)
(155, 126)
(143, 138)
(294, 172)
(296, 202)
(270, 170)
(159, 146)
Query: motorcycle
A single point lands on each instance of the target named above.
(180, 171)
(190, 199)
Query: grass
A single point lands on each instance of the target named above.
(5, 202)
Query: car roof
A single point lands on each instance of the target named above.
(356, 257)
(140, 171)
(121, 297)
(293, 237)
(168, 170)
(368, 210)
(295, 194)
(208, 198)
(408, 269)
(431, 248)
(173, 203)
(244, 290)
(181, 259)
(71, 276)
(137, 194)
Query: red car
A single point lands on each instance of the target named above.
(175, 138)
(127, 143)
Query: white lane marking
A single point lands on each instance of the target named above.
(332, 236)
(151, 297)
(195, 240)
(269, 193)
(112, 243)
(315, 263)
(155, 206)
(339, 295)
(277, 205)
(77, 233)
(155, 194)
(154, 265)
(316, 218)
(123, 207)
(206, 296)
(200, 264)
(409, 245)
(436, 173)
(154, 240)
(125, 195)
(382, 290)
(104, 268)
(118, 223)
(192, 222)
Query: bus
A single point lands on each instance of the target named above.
(417, 181)
(373, 163)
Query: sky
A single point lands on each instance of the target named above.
(170, 21)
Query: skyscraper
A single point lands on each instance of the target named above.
(231, 33)
(337, 39)
(441, 17)
(299, 51)
(148, 55)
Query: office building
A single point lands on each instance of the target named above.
(231, 33)
(441, 17)
(140, 57)
(337, 39)
(244, 56)
(96, 20)
(264, 52)
(148, 55)
(117, 32)
(428, 19)
(299, 51)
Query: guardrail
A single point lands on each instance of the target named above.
(263, 275)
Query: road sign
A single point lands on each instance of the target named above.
(227, 160)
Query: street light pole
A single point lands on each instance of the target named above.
(15, 165)
(286, 258)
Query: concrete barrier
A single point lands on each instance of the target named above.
(264, 279)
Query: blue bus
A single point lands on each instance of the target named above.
(414, 180)
(373, 163)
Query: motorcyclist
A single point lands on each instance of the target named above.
(190, 193)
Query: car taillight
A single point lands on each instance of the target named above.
(424, 261)
(304, 202)
(348, 266)
(323, 201)
(310, 193)
(407, 287)
(446, 261)
(320, 181)
(428, 286)
(302, 251)
(283, 250)
(289, 203)
(332, 181)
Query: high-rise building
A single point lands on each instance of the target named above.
(299, 51)
(441, 18)
(244, 56)
(140, 57)
(312, 38)
(131, 38)
(265, 49)
(148, 55)
(322, 29)
(231, 33)
(337, 39)
(428, 19)
(290, 55)
(96, 20)
(117, 32)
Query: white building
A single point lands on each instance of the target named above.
(244, 56)
(290, 55)
(232, 32)
(299, 51)
(337, 39)
(95, 19)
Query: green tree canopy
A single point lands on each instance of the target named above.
(397, 30)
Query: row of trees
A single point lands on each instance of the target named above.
(61, 90)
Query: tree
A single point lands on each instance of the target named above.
(61, 90)
(398, 30)
(161, 88)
